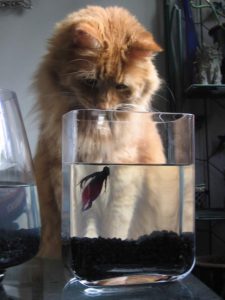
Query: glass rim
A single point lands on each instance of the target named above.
(10, 94)
(179, 114)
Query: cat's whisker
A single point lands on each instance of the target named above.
(84, 74)
(161, 97)
(172, 96)
(154, 110)
(130, 107)
(80, 59)
(84, 103)
(72, 73)
(76, 107)
(62, 93)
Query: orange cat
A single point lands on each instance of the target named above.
(97, 58)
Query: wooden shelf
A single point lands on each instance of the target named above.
(205, 90)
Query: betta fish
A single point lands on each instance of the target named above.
(94, 187)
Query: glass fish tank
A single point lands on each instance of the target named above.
(128, 196)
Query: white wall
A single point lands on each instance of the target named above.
(23, 36)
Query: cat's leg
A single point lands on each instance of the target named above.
(49, 210)
(188, 208)
(167, 202)
(124, 193)
(90, 223)
(163, 195)
(159, 207)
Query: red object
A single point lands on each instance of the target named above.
(93, 189)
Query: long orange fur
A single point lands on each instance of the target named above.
(97, 58)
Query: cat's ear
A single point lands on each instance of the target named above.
(144, 46)
(85, 36)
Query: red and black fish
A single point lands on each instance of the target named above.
(93, 189)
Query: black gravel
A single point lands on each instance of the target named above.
(97, 258)
(18, 246)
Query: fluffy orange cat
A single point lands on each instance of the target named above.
(97, 58)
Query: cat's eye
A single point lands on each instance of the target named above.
(121, 87)
(91, 82)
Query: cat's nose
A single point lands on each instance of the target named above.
(107, 100)
(103, 105)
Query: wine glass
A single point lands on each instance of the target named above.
(128, 196)
(19, 209)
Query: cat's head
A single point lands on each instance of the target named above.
(103, 56)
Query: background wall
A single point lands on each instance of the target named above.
(23, 37)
